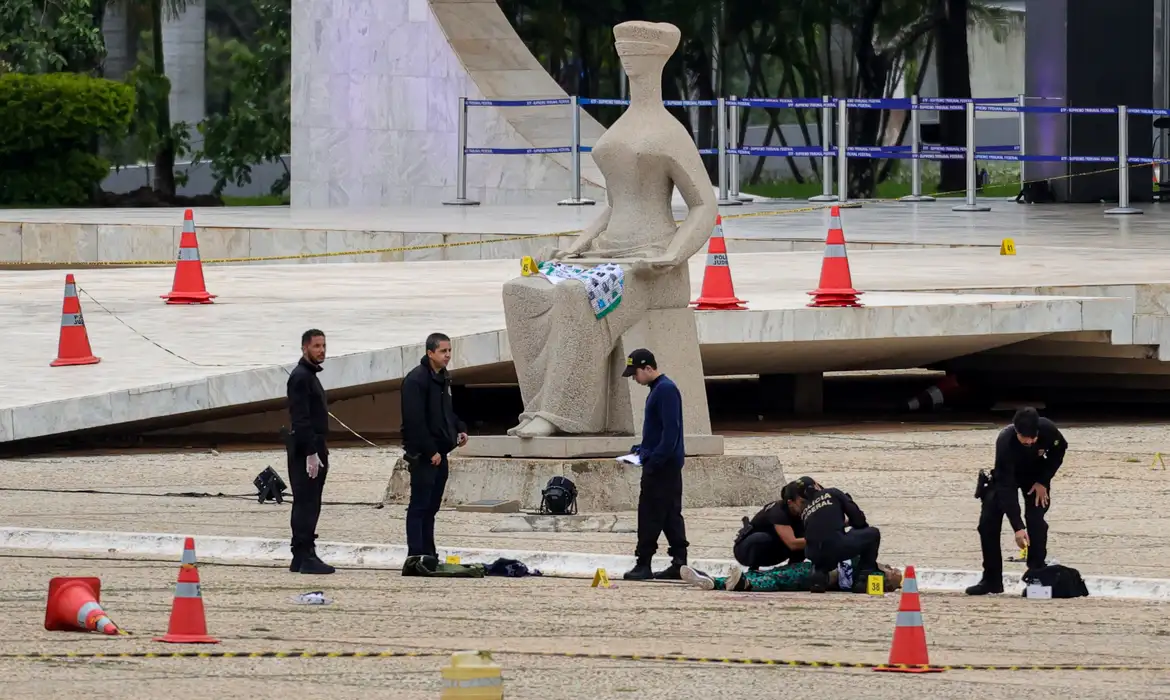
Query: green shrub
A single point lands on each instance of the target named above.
(52, 124)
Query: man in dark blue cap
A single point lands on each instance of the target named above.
(661, 456)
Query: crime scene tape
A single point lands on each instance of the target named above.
(660, 658)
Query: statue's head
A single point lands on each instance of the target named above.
(645, 46)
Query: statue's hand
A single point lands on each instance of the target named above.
(653, 265)
(557, 254)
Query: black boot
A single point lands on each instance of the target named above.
(312, 564)
(640, 572)
(861, 580)
(985, 587)
(819, 582)
(674, 571)
(297, 560)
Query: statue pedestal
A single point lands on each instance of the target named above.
(575, 446)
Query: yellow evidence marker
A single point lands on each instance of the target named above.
(876, 584)
(1007, 247)
(453, 559)
(1158, 461)
(600, 579)
(528, 266)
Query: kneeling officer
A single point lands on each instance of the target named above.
(824, 512)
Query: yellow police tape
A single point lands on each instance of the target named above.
(723, 661)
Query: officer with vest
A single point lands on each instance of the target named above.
(661, 455)
(1028, 454)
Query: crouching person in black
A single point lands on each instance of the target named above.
(824, 513)
(430, 430)
(774, 536)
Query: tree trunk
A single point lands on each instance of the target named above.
(954, 80)
(873, 68)
(164, 158)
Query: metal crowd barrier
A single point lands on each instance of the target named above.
(729, 150)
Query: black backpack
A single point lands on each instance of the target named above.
(1065, 582)
(559, 497)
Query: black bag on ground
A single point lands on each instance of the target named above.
(559, 497)
(1065, 582)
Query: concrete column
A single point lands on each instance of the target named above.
(116, 32)
(185, 59)
(799, 394)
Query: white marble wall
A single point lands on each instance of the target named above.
(375, 91)
(185, 60)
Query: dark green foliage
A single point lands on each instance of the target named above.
(50, 122)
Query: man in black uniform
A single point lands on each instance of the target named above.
(773, 536)
(430, 430)
(1027, 455)
(661, 455)
(824, 512)
(308, 456)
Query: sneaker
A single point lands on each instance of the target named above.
(984, 588)
(697, 578)
(670, 573)
(640, 572)
(735, 580)
(313, 565)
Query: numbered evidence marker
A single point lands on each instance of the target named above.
(453, 559)
(528, 266)
(1158, 461)
(1007, 247)
(600, 579)
(876, 584)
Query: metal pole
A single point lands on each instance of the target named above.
(575, 158)
(915, 164)
(972, 177)
(842, 146)
(721, 129)
(1123, 165)
(736, 144)
(1022, 102)
(826, 194)
(461, 199)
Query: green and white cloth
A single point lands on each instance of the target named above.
(604, 283)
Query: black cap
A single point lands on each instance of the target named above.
(638, 359)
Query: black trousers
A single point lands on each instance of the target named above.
(306, 506)
(863, 543)
(660, 511)
(427, 483)
(991, 527)
(761, 549)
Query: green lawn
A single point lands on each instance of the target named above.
(886, 190)
(266, 200)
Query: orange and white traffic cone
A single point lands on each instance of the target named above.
(908, 652)
(934, 396)
(188, 287)
(188, 623)
(718, 293)
(74, 606)
(73, 346)
(836, 288)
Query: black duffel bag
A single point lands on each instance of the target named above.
(1065, 582)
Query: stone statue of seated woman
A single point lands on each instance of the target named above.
(563, 324)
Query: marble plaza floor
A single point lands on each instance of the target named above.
(160, 360)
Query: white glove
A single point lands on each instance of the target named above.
(313, 465)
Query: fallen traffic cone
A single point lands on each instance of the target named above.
(188, 287)
(908, 652)
(935, 396)
(188, 624)
(74, 606)
(73, 346)
(718, 292)
(836, 288)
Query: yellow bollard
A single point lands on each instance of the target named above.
(472, 675)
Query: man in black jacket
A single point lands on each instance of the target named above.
(824, 513)
(1027, 455)
(308, 456)
(430, 430)
(661, 455)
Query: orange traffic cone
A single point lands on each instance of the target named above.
(73, 346)
(188, 287)
(908, 652)
(718, 292)
(836, 288)
(188, 624)
(73, 606)
(935, 396)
